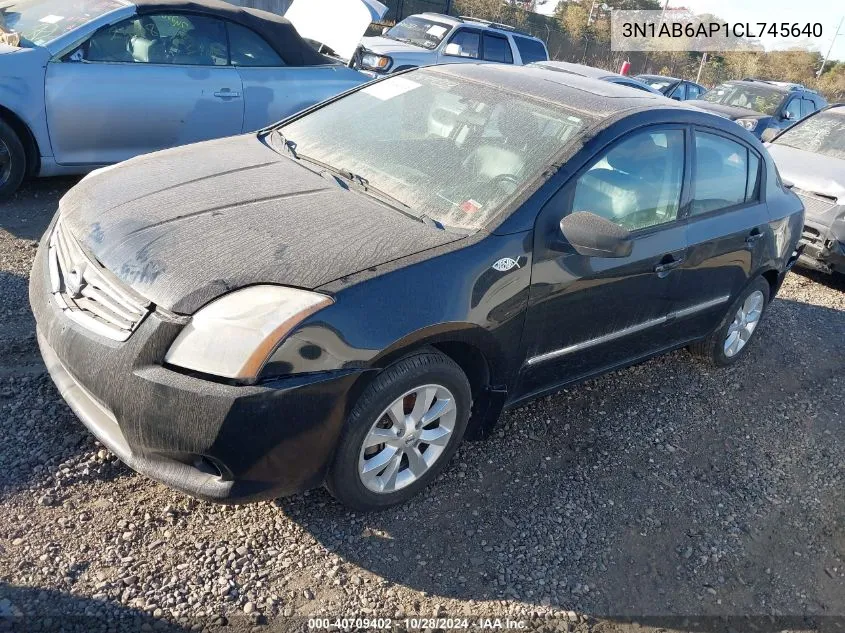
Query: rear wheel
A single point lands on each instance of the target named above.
(12, 161)
(730, 340)
(401, 433)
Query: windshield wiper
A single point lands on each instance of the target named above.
(277, 137)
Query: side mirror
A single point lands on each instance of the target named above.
(594, 236)
(768, 134)
(788, 116)
(385, 30)
(452, 49)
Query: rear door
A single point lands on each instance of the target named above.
(141, 85)
(727, 229)
(589, 314)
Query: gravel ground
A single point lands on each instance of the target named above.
(666, 489)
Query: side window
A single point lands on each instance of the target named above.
(720, 176)
(250, 49)
(793, 109)
(752, 192)
(162, 39)
(633, 84)
(530, 50)
(693, 91)
(497, 49)
(807, 107)
(637, 183)
(469, 41)
(679, 93)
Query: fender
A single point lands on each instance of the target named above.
(22, 94)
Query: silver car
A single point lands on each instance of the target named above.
(89, 83)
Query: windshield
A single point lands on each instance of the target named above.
(419, 31)
(822, 133)
(39, 22)
(452, 150)
(754, 98)
(658, 83)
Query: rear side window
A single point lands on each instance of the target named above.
(679, 93)
(693, 91)
(793, 108)
(807, 107)
(530, 50)
(497, 49)
(250, 49)
(725, 174)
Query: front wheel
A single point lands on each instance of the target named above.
(730, 340)
(12, 161)
(402, 432)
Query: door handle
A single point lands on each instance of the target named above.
(227, 94)
(667, 266)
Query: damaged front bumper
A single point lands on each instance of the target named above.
(216, 441)
(823, 248)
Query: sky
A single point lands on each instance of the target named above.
(826, 12)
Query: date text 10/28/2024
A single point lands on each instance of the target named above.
(358, 624)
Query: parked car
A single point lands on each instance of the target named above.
(674, 88)
(810, 155)
(596, 73)
(759, 105)
(94, 82)
(433, 38)
(343, 297)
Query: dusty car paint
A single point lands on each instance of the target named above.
(553, 318)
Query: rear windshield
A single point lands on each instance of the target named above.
(658, 83)
(39, 22)
(823, 133)
(454, 150)
(419, 31)
(530, 50)
(754, 98)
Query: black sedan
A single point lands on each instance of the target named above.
(342, 298)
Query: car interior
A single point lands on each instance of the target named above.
(164, 39)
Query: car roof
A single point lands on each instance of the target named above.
(477, 23)
(594, 97)
(775, 87)
(667, 77)
(576, 69)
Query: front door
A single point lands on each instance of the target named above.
(589, 314)
(141, 85)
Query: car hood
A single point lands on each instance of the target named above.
(386, 46)
(729, 112)
(809, 171)
(339, 24)
(184, 226)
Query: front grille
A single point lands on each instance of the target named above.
(814, 203)
(90, 295)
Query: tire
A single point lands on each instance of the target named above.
(394, 395)
(715, 348)
(12, 161)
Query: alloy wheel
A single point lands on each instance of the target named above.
(745, 322)
(407, 439)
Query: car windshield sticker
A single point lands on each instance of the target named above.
(436, 31)
(393, 87)
(470, 206)
(51, 19)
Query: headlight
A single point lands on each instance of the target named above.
(748, 124)
(376, 62)
(234, 335)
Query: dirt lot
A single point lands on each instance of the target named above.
(667, 489)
